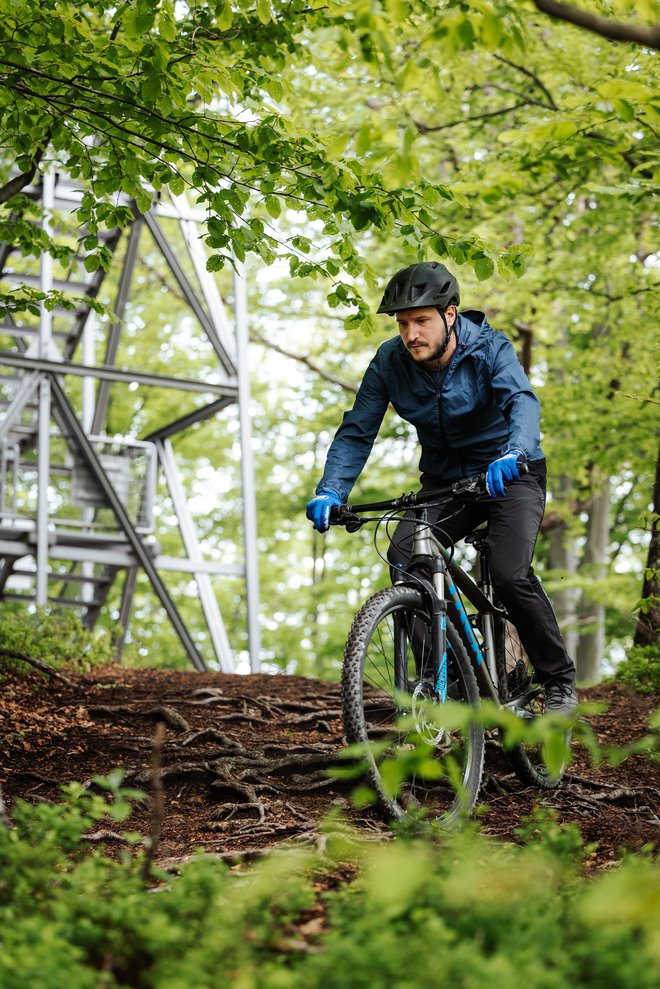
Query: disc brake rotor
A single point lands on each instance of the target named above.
(427, 729)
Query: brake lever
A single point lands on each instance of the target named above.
(475, 487)
(343, 515)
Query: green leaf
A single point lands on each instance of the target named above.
(556, 751)
(273, 205)
(361, 321)
(363, 796)
(555, 130)
(215, 262)
(458, 252)
(138, 19)
(301, 244)
(92, 262)
(264, 11)
(143, 201)
(398, 10)
(484, 268)
(167, 27)
(624, 109)
(150, 87)
(491, 31)
(177, 185)
(438, 245)
(622, 89)
(224, 15)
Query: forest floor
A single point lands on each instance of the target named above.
(244, 760)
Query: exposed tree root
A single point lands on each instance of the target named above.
(246, 764)
(38, 664)
(167, 715)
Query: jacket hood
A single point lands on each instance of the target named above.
(472, 326)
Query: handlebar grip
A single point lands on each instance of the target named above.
(344, 515)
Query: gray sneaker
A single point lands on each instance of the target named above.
(560, 697)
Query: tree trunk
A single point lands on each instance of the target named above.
(563, 556)
(647, 632)
(591, 641)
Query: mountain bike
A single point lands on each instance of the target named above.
(434, 636)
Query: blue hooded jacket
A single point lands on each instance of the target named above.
(482, 407)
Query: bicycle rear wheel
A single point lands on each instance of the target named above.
(518, 690)
(420, 767)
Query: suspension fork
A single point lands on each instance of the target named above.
(423, 553)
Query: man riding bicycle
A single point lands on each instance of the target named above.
(459, 383)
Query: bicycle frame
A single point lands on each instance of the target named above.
(447, 580)
(430, 553)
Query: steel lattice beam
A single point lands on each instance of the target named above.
(41, 366)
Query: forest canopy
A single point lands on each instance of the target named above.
(330, 143)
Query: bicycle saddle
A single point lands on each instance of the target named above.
(478, 538)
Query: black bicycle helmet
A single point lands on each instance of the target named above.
(425, 284)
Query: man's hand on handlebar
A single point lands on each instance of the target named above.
(318, 509)
(327, 508)
(501, 471)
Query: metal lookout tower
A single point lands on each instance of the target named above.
(77, 506)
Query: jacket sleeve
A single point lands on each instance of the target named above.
(515, 397)
(355, 437)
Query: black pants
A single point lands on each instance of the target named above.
(513, 525)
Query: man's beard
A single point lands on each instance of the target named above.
(440, 350)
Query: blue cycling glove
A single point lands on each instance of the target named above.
(504, 469)
(318, 509)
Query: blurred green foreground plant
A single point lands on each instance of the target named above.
(461, 910)
(413, 755)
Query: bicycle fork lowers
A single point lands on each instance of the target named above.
(430, 557)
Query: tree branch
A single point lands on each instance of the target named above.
(530, 75)
(426, 129)
(649, 37)
(20, 181)
(307, 361)
(521, 96)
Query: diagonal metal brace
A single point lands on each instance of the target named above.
(74, 429)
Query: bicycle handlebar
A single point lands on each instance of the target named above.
(467, 488)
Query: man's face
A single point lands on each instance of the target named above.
(423, 331)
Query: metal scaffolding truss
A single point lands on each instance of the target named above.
(77, 505)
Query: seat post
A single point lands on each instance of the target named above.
(479, 540)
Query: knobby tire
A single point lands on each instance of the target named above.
(379, 646)
(514, 672)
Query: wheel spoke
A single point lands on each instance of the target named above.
(388, 650)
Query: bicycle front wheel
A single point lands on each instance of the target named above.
(390, 701)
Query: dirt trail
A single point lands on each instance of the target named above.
(244, 759)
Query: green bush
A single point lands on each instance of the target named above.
(56, 637)
(461, 910)
(641, 669)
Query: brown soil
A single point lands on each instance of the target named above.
(244, 760)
